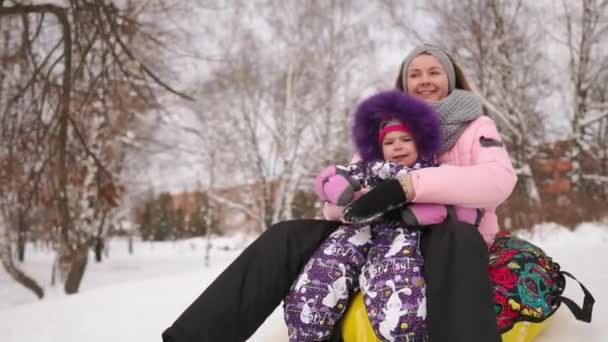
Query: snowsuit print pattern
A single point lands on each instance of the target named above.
(382, 258)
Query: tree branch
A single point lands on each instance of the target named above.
(143, 67)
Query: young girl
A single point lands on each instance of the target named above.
(394, 134)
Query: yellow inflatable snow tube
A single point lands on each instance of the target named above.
(357, 328)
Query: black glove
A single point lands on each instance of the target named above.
(373, 204)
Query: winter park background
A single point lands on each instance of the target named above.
(141, 155)
(135, 297)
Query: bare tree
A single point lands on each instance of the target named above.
(86, 80)
(587, 31)
(21, 151)
(599, 98)
(497, 43)
(281, 114)
(580, 69)
(11, 268)
(406, 19)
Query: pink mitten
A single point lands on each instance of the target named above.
(424, 214)
(334, 185)
(333, 212)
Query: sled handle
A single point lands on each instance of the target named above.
(584, 313)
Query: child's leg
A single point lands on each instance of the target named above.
(393, 286)
(321, 293)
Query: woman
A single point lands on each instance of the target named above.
(476, 171)
(394, 134)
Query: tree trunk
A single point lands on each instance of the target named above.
(7, 261)
(21, 237)
(21, 246)
(54, 273)
(21, 277)
(78, 266)
(208, 245)
(130, 245)
(98, 248)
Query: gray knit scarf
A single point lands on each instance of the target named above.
(456, 111)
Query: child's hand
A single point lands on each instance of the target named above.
(335, 186)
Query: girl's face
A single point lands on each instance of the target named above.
(399, 147)
(426, 78)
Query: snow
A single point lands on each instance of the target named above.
(135, 297)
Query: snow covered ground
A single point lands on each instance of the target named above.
(134, 298)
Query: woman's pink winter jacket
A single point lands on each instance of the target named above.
(475, 173)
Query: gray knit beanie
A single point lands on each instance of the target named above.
(436, 52)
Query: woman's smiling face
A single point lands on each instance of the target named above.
(426, 78)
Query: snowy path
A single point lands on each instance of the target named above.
(133, 299)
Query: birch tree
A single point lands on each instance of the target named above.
(501, 48)
(283, 95)
(586, 27)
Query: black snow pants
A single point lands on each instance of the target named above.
(460, 305)
(459, 296)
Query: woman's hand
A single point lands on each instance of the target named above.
(334, 212)
(381, 199)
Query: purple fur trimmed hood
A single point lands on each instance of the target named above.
(421, 118)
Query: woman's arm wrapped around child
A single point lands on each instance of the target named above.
(339, 185)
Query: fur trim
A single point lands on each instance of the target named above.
(422, 119)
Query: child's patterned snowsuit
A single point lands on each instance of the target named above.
(382, 258)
